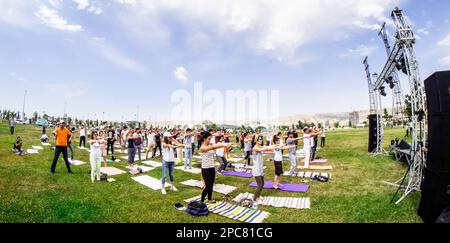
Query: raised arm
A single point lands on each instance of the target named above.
(204, 149)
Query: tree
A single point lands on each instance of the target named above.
(350, 124)
(336, 125)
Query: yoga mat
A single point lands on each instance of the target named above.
(235, 159)
(317, 161)
(143, 167)
(46, 144)
(284, 159)
(37, 147)
(76, 162)
(32, 151)
(150, 182)
(316, 167)
(152, 163)
(237, 174)
(242, 214)
(193, 171)
(284, 186)
(219, 188)
(111, 171)
(279, 202)
(239, 166)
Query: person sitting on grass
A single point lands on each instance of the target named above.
(18, 146)
(95, 156)
(44, 138)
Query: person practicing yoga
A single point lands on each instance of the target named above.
(44, 138)
(247, 148)
(168, 160)
(95, 157)
(62, 135)
(150, 143)
(308, 137)
(291, 141)
(101, 136)
(123, 139)
(207, 152)
(131, 149)
(83, 136)
(258, 169)
(220, 153)
(188, 141)
(278, 148)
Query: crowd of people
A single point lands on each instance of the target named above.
(177, 145)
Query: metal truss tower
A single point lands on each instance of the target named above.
(373, 105)
(403, 57)
(395, 85)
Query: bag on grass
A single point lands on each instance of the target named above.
(197, 208)
(246, 202)
(103, 177)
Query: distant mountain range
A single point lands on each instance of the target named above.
(323, 117)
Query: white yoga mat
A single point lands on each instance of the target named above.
(46, 144)
(219, 188)
(279, 202)
(316, 167)
(76, 162)
(193, 171)
(111, 171)
(37, 147)
(152, 163)
(150, 182)
(32, 151)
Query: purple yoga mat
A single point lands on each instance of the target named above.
(284, 186)
(238, 174)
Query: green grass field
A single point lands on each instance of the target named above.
(28, 193)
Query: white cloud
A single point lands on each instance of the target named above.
(16, 12)
(52, 19)
(55, 3)
(82, 4)
(181, 74)
(115, 56)
(361, 50)
(281, 29)
(445, 41)
(445, 61)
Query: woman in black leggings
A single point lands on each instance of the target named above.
(208, 153)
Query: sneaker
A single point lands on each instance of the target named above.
(174, 188)
(255, 206)
(211, 201)
(163, 191)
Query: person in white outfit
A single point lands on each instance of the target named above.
(95, 157)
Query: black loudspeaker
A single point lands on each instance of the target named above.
(435, 186)
(435, 197)
(445, 217)
(437, 88)
(373, 131)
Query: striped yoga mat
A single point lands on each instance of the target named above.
(243, 214)
(279, 202)
(219, 188)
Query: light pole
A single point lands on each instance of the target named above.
(23, 107)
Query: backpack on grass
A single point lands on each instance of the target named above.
(197, 208)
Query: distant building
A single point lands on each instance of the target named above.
(354, 118)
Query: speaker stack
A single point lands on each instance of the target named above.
(435, 186)
(373, 132)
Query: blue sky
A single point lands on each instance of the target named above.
(112, 56)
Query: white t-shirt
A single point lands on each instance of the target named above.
(306, 141)
(220, 152)
(278, 154)
(168, 155)
(323, 133)
(95, 150)
(83, 132)
(151, 137)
